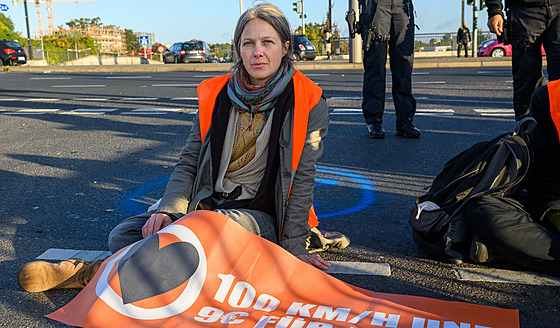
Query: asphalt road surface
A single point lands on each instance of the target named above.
(80, 152)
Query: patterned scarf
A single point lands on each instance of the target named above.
(262, 99)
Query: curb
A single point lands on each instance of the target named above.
(434, 62)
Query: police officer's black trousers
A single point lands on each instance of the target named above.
(398, 21)
(533, 27)
(509, 227)
(462, 45)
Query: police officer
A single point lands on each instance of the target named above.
(532, 23)
(463, 39)
(382, 23)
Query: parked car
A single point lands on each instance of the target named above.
(11, 53)
(492, 48)
(303, 48)
(189, 51)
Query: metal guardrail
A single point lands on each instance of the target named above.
(423, 42)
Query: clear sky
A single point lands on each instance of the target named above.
(214, 20)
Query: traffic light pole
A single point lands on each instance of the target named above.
(28, 33)
(475, 29)
(302, 19)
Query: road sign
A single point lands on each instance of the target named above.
(144, 40)
(4, 7)
(160, 49)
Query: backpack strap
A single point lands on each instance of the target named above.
(525, 126)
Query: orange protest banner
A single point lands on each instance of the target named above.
(207, 271)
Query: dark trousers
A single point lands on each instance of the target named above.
(533, 27)
(509, 226)
(459, 46)
(393, 18)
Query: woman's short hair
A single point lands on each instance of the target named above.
(273, 16)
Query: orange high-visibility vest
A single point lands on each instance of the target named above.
(554, 99)
(307, 94)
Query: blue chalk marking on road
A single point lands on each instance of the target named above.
(366, 199)
(133, 203)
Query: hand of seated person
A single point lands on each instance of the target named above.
(315, 260)
(155, 223)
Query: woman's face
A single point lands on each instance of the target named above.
(261, 50)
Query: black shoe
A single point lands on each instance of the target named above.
(407, 129)
(375, 130)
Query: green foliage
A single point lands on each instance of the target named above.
(132, 42)
(83, 23)
(7, 28)
(222, 49)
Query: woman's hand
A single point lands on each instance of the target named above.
(315, 260)
(155, 223)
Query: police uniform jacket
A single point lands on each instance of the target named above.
(495, 7)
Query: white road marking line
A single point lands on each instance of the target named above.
(495, 112)
(83, 113)
(505, 276)
(176, 85)
(207, 76)
(430, 82)
(494, 72)
(136, 99)
(39, 110)
(428, 112)
(144, 113)
(509, 81)
(498, 114)
(437, 110)
(41, 99)
(50, 78)
(23, 113)
(185, 98)
(10, 99)
(58, 254)
(93, 110)
(317, 74)
(156, 109)
(79, 86)
(480, 110)
(362, 268)
(129, 77)
(346, 98)
(90, 99)
(351, 111)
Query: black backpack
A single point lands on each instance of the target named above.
(493, 167)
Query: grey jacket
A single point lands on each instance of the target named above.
(191, 180)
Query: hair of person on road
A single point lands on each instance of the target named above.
(273, 16)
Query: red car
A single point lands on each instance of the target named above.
(491, 48)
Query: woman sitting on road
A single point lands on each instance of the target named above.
(251, 154)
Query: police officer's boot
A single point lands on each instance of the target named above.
(375, 130)
(40, 276)
(406, 128)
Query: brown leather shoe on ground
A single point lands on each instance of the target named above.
(40, 276)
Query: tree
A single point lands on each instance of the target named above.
(132, 42)
(7, 28)
(83, 23)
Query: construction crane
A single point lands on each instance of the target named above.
(49, 10)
